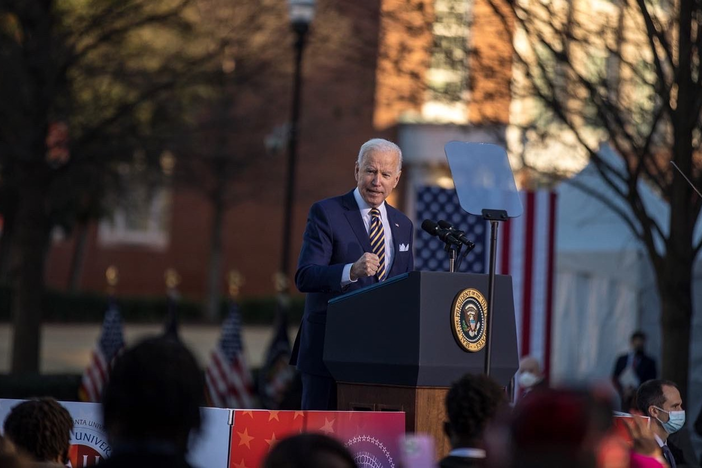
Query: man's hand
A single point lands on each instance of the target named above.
(367, 265)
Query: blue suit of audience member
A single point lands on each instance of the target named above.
(334, 237)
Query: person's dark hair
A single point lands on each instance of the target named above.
(471, 403)
(650, 393)
(638, 335)
(155, 392)
(40, 427)
(309, 451)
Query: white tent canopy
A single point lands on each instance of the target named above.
(606, 287)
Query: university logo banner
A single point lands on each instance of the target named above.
(89, 444)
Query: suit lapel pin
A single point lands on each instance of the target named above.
(397, 225)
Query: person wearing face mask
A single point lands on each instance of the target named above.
(530, 376)
(661, 401)
(632, 369)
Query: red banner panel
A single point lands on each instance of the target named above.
(373, 437)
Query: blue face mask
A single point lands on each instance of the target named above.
(675, 422)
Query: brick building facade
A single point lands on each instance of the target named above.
(386, 86)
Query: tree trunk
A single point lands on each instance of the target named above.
(6, 241)
(78, 259)
(214, 276)
(28, 260)
(674, 275)
(676, 321)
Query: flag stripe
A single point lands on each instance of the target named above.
(528, 278)
(109, 345)
(516, 269)
(233, 390)
(228, 378)
(550, 282)
(217, 396)
(539, 276)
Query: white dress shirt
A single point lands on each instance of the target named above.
(387, 232)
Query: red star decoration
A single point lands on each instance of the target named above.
(240, 465)
(328, 427)
(245, 438)
(271, 442)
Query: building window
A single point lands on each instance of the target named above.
(141, 210)
(447, 77)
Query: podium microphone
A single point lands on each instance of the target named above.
(444, 234)
(460, 235)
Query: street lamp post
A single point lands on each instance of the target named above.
(301, 15)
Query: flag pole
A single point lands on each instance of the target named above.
(235, 281)
(112, 277)
(172, 279)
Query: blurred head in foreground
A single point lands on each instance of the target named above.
(154, 396)
(471, 403)
(309, 451)
(552, 428)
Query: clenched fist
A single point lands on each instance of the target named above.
(367, 265)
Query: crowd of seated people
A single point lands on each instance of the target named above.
(151, 410)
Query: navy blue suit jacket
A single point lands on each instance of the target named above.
(335, 236)
(645, 368)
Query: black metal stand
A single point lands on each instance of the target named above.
(453, 251)
(301, 32)
(494, 216)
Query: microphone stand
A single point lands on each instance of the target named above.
(453, 251)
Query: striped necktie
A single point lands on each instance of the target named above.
(377, 240)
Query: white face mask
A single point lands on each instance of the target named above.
(675, 422)
(528, 379)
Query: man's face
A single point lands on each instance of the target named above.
(638, 344)
(377, 175)
(529, 364)
(673, 402)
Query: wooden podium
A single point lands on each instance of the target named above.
(390, 347)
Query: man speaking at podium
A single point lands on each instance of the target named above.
(350, 241)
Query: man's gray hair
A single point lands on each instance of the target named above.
(382, 146)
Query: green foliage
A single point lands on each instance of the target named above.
(63, 387)
(119, 74)
(61, 307)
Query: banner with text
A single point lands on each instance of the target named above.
(89, 442)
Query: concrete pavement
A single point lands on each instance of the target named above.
(66, 348)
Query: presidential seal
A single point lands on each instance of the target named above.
(469, 320)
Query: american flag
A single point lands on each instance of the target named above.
(437, 203)
(109, 345)
(526, 252)
(277, 374)
(228, 378)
